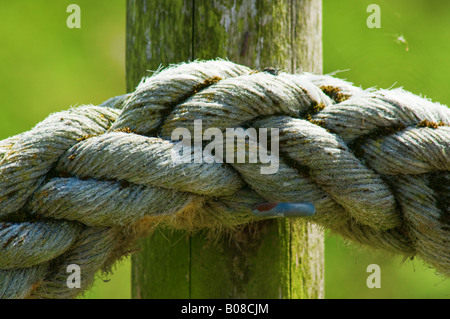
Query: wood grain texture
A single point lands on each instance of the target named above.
(282, 258)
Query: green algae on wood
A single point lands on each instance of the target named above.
(281, 258)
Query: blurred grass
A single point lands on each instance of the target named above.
(46, 67)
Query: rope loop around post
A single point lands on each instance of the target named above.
(84, 184)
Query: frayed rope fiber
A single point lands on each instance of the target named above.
(84, 184)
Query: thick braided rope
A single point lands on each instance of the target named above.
(82, 185)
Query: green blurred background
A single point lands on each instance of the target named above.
(46, 67)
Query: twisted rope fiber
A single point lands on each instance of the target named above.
(84, 184)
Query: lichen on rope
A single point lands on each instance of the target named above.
(84, 184)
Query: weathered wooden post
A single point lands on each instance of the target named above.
(285, 258)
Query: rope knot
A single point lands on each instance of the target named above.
(85, 183)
